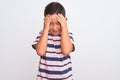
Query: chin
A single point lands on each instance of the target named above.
(55, 34)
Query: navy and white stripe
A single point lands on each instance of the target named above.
(54, 65)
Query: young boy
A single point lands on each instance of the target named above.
(54, 44)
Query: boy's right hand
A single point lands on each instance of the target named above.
(47, 21)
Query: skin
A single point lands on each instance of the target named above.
(55, 24)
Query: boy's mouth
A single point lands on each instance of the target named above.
(55, 33)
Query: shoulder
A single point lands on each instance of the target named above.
(40, 32)
(70, 34)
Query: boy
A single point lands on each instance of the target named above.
(54, 44)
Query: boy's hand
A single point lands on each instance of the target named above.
(47, 21)
(62, 20)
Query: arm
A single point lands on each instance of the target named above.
(41, 45)
(66, 44)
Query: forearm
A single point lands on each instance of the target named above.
(41, 45)
(66, 44)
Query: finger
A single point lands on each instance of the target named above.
(61, 16)
(60, 19)
(48, 18)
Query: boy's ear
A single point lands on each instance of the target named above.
(66, 18)
(44, 18)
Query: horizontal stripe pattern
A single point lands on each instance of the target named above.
(56, 68)
(53, 46)
(52, 78)
(54, 65)
(53, 52)
(59, 63)
(55, 72)
(55, 58)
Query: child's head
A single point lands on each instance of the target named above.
(54, 8)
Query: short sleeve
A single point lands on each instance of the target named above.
(72, 40)
(36, 40)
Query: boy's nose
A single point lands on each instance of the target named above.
(54, 27)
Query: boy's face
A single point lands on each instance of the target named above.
(55, 26)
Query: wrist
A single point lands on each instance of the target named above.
(46, 30)
(64, 25)
(64, 30)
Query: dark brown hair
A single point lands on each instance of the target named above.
(54, 8)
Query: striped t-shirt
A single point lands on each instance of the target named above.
(54, 65)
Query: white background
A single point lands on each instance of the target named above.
(94, 23)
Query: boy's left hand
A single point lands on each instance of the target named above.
(62, 20)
